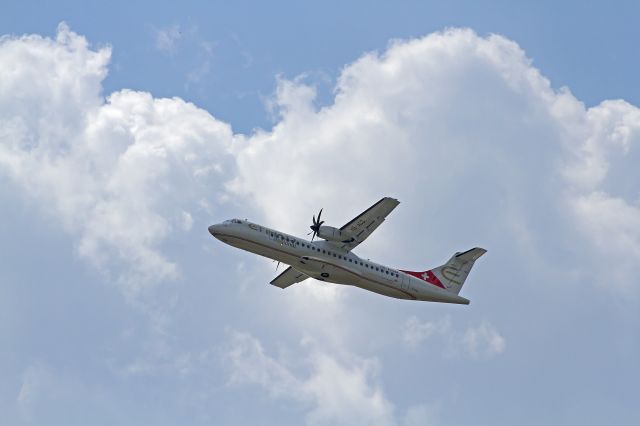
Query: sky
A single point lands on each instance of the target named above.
(127, 128)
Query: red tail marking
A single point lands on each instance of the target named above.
(426, 276)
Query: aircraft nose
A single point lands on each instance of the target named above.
(213, 229)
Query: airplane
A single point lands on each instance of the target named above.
(332, 259)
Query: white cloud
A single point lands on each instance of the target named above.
(250, 364)
(451, 123)
(416, 332)
(461, 128)
(198, 73)
(36, 381)
(187, 221)
(480, 342)
(483, 341)
(603, 191)
(119, 173)
(346, 393)
(167, 39)
(340, 392)
(420, 121)
(422, 415)
(182, 45)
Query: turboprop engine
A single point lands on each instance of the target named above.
(328, 233)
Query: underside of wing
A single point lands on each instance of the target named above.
(327, 270)
(288, 277)
(358, 229)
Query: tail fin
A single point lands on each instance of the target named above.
(453, 273)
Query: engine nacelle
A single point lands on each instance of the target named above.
(330, 233)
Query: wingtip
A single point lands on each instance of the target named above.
(395, 201)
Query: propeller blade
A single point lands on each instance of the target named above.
(315, 227)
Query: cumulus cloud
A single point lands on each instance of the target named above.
(603, 189)
(451, 119)
(454, 123)
(123, 172)
(340, 392)
(462, 129)
(250, 364)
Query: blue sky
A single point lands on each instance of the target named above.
(127, 128)
(587, 46)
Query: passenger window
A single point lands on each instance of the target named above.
(350, 260)
(334, 255)
(339, 257)
(324, 251)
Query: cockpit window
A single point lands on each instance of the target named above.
(236, 221)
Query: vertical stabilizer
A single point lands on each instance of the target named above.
(453, 273)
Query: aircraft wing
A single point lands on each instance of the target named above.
(358, 229)
(288, 277)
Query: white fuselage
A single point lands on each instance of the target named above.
(325, 261)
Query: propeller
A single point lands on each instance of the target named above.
(316, 225)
